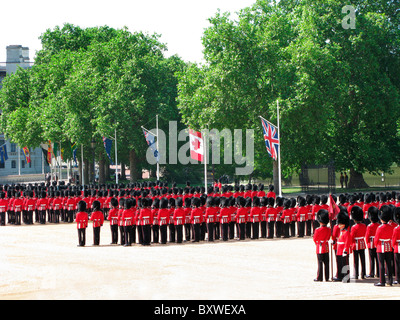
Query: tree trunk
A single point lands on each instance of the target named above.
(102, 176)
(133, 166)
(123, 171)
(356, 180)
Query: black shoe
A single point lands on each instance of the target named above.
(379, 284)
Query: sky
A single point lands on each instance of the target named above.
(180, 22)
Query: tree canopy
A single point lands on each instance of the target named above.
(338, 88)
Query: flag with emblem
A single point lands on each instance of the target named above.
(271, 138)
(196, 145)
(27, 154)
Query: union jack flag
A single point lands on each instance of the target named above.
(271, 138)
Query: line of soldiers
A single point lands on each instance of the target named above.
(152, 212)
(364, 221)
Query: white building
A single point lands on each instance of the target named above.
(18, 55)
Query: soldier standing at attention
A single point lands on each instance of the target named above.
(97, 217)
(321, 239)
(81, 223)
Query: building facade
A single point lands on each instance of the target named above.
(18, 56)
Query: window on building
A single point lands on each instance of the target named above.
(13, 147)
(13, 164)
(22, 164)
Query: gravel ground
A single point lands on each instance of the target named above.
(43, 262)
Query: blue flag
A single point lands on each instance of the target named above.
(3, 153)
(108, 146)
(151, 141)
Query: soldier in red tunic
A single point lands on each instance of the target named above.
(3, 208)
(382, 242)
(113, 218)
(369, 239)
(358, 240)
(179, 219)
(163, 219)
(146, 220)
(97, 218)
(396, 245)
(196, 217)
(343, 247)
(321, 239)
(81, 223)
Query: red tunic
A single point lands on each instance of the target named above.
(3, 205)
(344, 242)
(321, 239)
(271, 214)
(370, 234)
(302, 214)
(396, 239)
(255, 214)
(163, 217)
(98, 219)
(196, 216)
(358, 236)
(383, 238)
(225, 215)
(113, 216)
(81, 220)
(241, 215)
(145, 217)
(179, 216)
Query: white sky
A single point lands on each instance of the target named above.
(180, 22)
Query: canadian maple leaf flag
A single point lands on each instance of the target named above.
(196, 145)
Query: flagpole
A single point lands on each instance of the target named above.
(158, 165)
(83, 178)
(280, 151)
(205, 161)
(19, 160)
(116, 157)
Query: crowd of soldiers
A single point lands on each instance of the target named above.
(153, 212)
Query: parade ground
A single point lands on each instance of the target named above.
(43, 262)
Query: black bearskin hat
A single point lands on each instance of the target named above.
(323, 216)
(81, 206)
(357, 213)
(386, 213)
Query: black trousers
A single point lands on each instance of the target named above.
(146, 231)
(286, 227)
(156, 233)
(263, 225)
(255, 226)
(397, 266)
(179, 233)
(385, 264)
(225, 231)
(232, 225)
(163, 233)
(96, 236)
(359, 256)
(121, 231)
(300, 228)
(188, 227)
(343, 271)
(3, 218)
(18, 217)
(114, 233)
(210, 230)
(242, 231)
(373, 262)
(271, 228)
(171, 232)
(278, 228)
(128, 235)
(82, 236)
(323, 266)
(196, 232)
